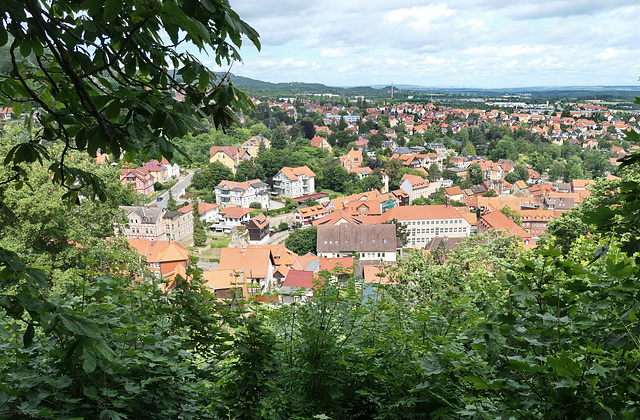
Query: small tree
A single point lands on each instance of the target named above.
(255, 205)
(171, 204)
(199, 232)
(490, 193)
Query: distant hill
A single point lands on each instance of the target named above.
(403, 91)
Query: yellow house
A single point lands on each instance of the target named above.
(229, 156)
(252, 145)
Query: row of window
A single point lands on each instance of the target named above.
(373, 241)
(414, 232)
(433, 222)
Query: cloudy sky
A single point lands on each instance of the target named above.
(463, 43)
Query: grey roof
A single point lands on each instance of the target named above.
(171, 215)
(147, 215)
(402, 150)
(357, 238)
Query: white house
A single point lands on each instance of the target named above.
(294, 182)
(241, 194)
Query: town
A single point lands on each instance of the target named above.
(416, 167)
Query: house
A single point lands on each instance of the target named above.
(229, 156)
(258, 228)
(144, 223)
(415, 186)
(498, 221)
(157, 171)
(178, 226)
(166, 259)
(231, 218)
(256, 263)
(351, 160)
(294, 182)
(140, 179)
(321, 142)
(156, 224)
(423, 223)
(242, 194)
(252, 146)
(173, 171)
(453, 193)
(298, 286)
(369, 242)
(306, 215)
(226, 284)
(208, 212)
(536, 221)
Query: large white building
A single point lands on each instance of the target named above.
(424, 223)
(241, 194)
(294, 182)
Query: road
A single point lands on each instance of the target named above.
(183, 182)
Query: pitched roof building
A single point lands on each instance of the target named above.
(369, 242)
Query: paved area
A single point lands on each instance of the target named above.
(178, 190)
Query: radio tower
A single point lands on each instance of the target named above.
(392, 89)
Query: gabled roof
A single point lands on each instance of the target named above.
(356, 238)
(146, 214)
(223, 279)
(340, 216)
(294, 173)
(234, 212)
(253, 261)
(375, 274)
(160, 251)
(312, 211)
(299, 278)
(202, 208)
(232, 151)
(415, 181)
(259, 221)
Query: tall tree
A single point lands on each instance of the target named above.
(199, 232)
(171, 203)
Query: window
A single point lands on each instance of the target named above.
(373, 241)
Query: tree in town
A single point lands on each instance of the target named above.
(475, 174)
(303, 241)
(207, 178)
(434, 172)
(199, 231)
(171, 203)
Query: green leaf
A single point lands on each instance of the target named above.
(17, 108)
(476, 382)
(89, 362)
(27, 339)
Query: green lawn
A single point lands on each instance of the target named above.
(221, 241)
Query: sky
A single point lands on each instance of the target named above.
(461, 43)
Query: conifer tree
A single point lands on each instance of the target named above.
(199, 232)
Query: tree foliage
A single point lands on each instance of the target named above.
(102, 78)
(303, 241)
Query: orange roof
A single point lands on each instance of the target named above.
(419, 213)
(415, 181)
(160, 251)
(294, 173)
(202, 208)
(223, 279)
(235, 212)
(375, 274)
(331, 263)
(253, 261)
(260, 220)
(498, 221)
(312, 211)
(453, 191)
(340, 216)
